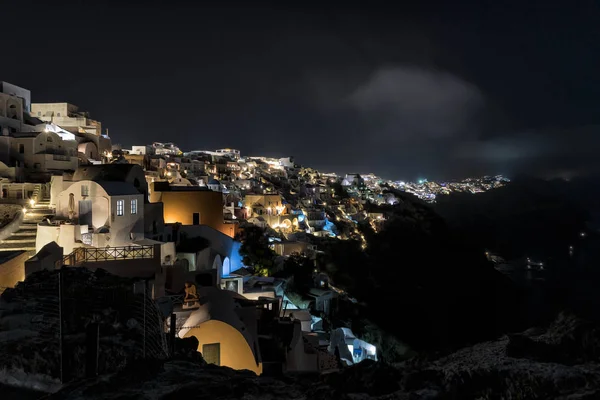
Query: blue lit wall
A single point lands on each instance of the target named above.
(235, 257)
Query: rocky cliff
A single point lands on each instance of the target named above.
(562, 365)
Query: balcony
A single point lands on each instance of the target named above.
(93, 254)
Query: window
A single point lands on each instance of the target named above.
(21, 148)
(120, 207)
(212, 353)
(85, 190)
(58, 114)
(134, 206)
(39, 113)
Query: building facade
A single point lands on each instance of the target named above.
(67, 116)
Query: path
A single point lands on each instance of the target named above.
(24, 238)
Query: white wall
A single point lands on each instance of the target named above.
(89, 149)
(122, 226)
(138, 150)
(57, 186)
(65, 235)
(104, 211)
(98, 196)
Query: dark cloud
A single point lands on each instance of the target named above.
(435, 89)
(410, 102)
(543, 152)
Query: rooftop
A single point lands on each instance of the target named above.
(115, 188)
(166, 187)
(104, 172)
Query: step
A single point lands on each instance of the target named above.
(17, 246)
(38, 216)
(25, 233)
(40, 210)
(28, 227)
(26, 240)
(35, 219)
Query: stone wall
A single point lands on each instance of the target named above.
(12, 270)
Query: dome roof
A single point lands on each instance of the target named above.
(221, 305)
(105, 172)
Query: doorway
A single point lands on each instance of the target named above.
(211, 352)
(196, 219)
(85, 212)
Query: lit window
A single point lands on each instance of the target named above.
(85, 190)
(134, 206)
(120, 207)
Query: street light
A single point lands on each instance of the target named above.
(32, 202)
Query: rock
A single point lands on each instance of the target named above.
(520, 346)
(569, 340)
(577, 340)
(373, 378)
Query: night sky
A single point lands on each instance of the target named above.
(435, 90)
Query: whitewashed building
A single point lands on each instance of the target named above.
(98, 214)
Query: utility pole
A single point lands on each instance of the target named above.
(172, 334)
(60, 327)
(144, 300)
(92, 349)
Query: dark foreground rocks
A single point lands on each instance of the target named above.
(561, 364)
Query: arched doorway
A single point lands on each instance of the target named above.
(226, 267)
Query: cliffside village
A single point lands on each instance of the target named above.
(71, 197)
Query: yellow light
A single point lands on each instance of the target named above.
(32, 202)
(24, 210)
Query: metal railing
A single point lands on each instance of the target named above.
(92, 254)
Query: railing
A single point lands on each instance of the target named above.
(92, 254)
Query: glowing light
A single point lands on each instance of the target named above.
(32, 202)
(24, 210)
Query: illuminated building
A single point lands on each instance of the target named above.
(191, 205)
(66, 116)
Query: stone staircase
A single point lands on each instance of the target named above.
(24, 238)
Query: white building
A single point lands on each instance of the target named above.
(165, 148)
(233, 153)
(67, 116)
(98, 214)
(44, 151)
(142, 150)
(14, 106)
